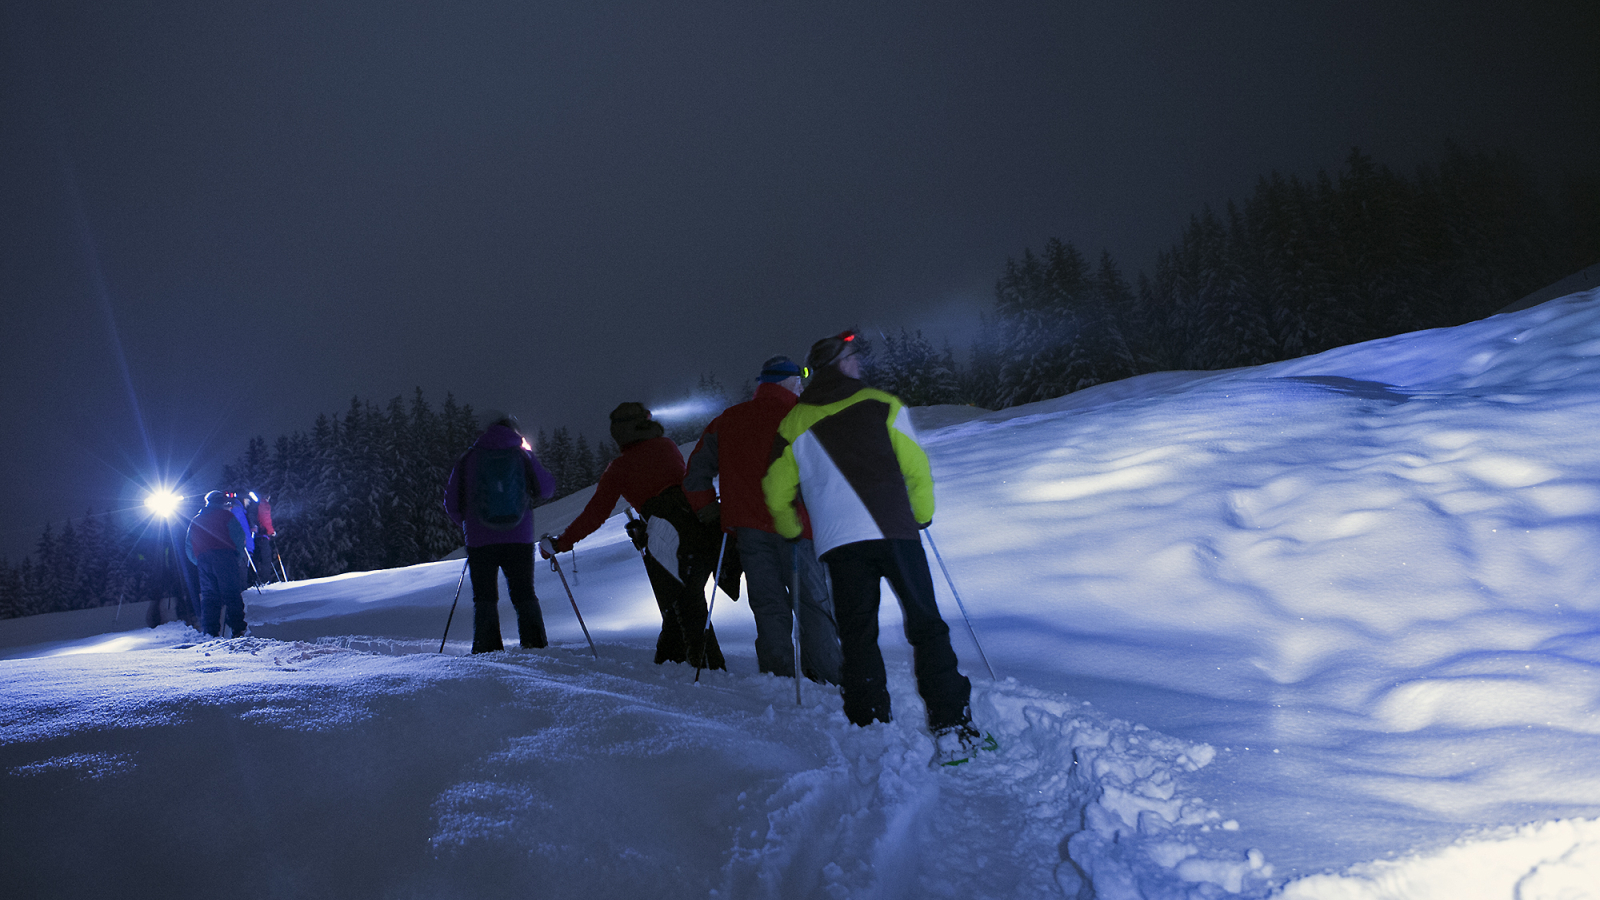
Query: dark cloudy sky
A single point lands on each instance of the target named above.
(222, 218)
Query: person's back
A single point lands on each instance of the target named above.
(854, 449)
(680, 553)
(213, 528)
(489, 496)
(869, 489)
(723, 483)
(473, 486)
(735, 449)
(215, 544)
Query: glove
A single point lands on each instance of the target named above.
(637, 532)
(710, 514)
(549, 546)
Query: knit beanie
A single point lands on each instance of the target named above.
(830, 350)
(631, 423)
(777, 369)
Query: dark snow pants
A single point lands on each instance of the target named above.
(768, 562)
(856, 570)
(685, 636)
(485, 564)
(221, 591)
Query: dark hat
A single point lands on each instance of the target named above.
(499, 417)
(216, 498)
(777, 369)
(631, 423)
(830, 350)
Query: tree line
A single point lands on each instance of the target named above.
(1298, 267)
(358, 491)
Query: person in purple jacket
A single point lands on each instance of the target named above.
(489, 495)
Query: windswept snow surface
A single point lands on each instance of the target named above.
(1326, 629)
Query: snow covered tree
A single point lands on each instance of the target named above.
(912, 370)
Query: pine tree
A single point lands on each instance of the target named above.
(1115, 309)
(584, 473)
(912, 370)
(11, 605)
(47, 587)
(36, 595)
(559, 457)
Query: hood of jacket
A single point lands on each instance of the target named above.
(830, 385)
(498, 437)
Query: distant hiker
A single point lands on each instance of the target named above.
(735, 450)
(236, 506)
(869, 489)
(241, 512)
(215, 544)
(680, 551)
(259, 510)
(488, 494)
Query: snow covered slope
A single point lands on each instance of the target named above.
(1328, 628)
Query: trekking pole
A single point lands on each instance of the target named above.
(459, 582)
(794, 630)
(555, 565)
(716, 578)
(962, 606)
(276, 562)
(249, 558)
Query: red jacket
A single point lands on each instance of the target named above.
(214, 528)
(736, 449)
(264, 518)
(643, 470)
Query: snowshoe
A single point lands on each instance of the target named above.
(959, 744)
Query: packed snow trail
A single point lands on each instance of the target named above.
(316, 770)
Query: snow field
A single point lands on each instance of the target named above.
(1324, 629)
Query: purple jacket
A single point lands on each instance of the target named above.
(465, 474)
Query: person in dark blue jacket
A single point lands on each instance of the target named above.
(489, 495)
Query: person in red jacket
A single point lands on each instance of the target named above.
(680, 552)
(215, 544)
(734, 450)
(258, 515)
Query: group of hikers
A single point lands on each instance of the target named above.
(223, 542)
(816, 494)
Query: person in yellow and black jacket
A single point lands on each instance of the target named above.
(852, 452)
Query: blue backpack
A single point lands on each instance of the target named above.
(500, 495)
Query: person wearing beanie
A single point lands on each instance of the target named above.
(869, 491)
(680, 552)
(489, 496)
(733, 452)
(215, 544)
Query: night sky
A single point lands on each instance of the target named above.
(222, 218)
